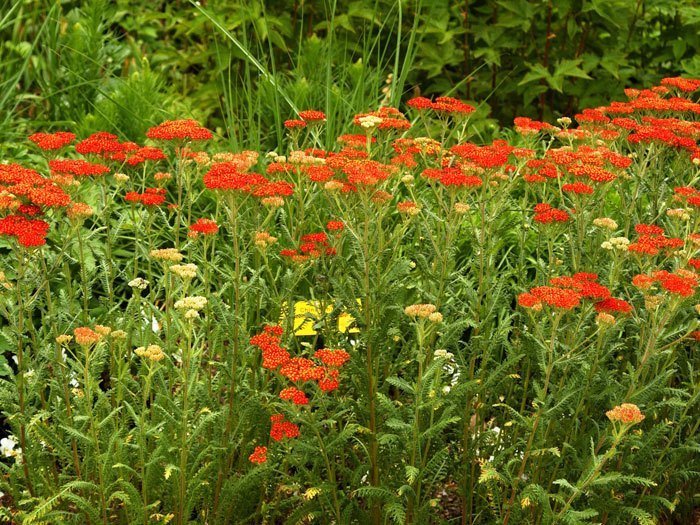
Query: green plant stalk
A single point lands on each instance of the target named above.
(415, 434)
(107, 210)
(590, 478)
(143, 446)
(371, 379)
(58, 358)
(538, 416)
(21, 369)
(83, 276)
(184, 421)
(94, 432)
(233, 206)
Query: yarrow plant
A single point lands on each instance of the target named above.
(412, 326)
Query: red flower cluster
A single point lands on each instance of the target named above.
(612, 305)
(77, 167)
(186, 129)
(299, 369)
(682, 282)
(150, 197)
(313, 245)
(259, 455)
(204, 227)
(567, 292)
(23, 185)
(684, 84)
(652, 239)
(52, 141)
(29, 232)
(452, 177)
(390, 118)
(448, 105)
(227, 176)
(527, 126)
(296, 396)
(312, 115)
(487, 157)
(294, 124)
(546, 214)
(335, 226)
(281, 429)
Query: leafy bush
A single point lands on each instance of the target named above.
(241, 66)
(410, 326)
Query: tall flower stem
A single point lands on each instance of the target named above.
(87, 385)
(184, 423)
(21, 368)
(371, 379)
(83, 274)
(233, 206)
(538, 417)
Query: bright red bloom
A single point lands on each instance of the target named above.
(281, 429)
(333, 358)
(546, 214)
(301, 369)
(292, 124)
(77, 167)
(335, 225)
(273, 189)
(578, 188)
(227, 176)
(557, 297)
(52, 141)
(29, 232)
(420, 103)
(259, 455)
(684, 84)
(613, 305)
(312, 115)
(528, 126)
(103, 144)
(204, 226)
(144, 154)
(296, 396)
(682, 284)
(186, 129)
(150, 197)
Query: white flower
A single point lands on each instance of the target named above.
(139, 283)
(195, 302)
(370, 121)
(7, 447)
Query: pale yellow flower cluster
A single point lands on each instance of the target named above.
(139, 283)
(194, 302)
(4, 282)
(264, 240)
(64, 339)
(616, 243)
(151, 352)
(301, 157)
(370, 121)
(424, 311)
(192, 305)
(167, 254)
(461, 208)
(184, 271)
(606, 223)
(678, 213)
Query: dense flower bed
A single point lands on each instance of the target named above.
(409, 326)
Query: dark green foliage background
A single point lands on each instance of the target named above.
(242, 66)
